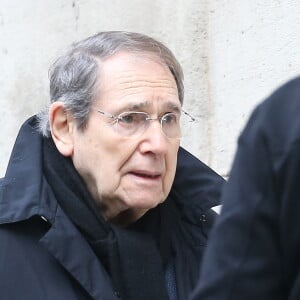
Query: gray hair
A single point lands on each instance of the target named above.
(74, 76)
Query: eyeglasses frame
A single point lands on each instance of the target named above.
(116, 118)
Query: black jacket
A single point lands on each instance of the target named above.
(44, 256)
(254, 250)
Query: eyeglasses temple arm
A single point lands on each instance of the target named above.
(186, 113)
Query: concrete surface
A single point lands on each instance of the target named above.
(234, 53)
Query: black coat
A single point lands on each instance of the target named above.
(254, 250)
(44, 256)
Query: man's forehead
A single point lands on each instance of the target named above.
(125, 62)
(119, 73)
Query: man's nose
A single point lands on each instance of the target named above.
(153, 139)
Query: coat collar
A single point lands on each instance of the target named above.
(24, 191)
(196, 187)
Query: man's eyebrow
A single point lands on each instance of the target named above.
(172, 106)
(138, 106)
(169, 105)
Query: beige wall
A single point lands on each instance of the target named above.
(232, 56)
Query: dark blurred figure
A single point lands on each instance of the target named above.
(254, 248)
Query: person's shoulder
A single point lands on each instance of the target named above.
(276, 120)
(284, 100)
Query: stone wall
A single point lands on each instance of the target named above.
(234, 53)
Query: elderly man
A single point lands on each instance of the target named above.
(89, 205)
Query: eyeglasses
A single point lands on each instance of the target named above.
(134, 123)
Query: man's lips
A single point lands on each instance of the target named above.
(146, 174)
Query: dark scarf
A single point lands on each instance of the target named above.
(134, 257)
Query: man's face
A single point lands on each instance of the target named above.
(128, 176)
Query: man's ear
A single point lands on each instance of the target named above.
(62, 128)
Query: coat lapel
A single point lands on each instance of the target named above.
(73, 252)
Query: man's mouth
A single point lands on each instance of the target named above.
(145, 174)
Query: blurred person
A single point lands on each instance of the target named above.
(253, 251)
(89, 205)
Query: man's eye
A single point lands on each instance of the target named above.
(129, 118)
(132, 118)
(170, 118)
